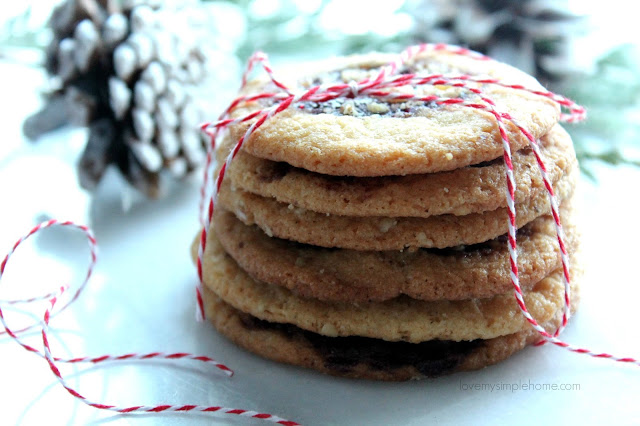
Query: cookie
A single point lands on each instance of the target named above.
(459, 192)
(361, 357)
(365, 137)
(382, 233)
(401, 318)
(466, 272)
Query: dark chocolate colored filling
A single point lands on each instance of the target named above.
(487, 163)
(277, 171)
(341, 354)
(359, 106)
(484, 248)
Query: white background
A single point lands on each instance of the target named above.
(141, 299)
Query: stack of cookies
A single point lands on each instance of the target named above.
(366, 239)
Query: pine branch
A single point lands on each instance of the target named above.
(612, 98)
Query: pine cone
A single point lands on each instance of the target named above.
(533, 35)
(133, 72)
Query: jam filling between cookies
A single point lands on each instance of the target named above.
(341, 354)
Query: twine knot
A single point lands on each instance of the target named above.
(354, 88)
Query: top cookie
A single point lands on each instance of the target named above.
(367, 137)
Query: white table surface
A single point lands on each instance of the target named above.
(141, 299)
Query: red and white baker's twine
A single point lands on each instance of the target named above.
(378, 88)
(53, 299)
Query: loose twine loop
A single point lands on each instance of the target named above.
(54, 299)
(379, 88)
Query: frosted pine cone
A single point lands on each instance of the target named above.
(533, 35)
(135, 72)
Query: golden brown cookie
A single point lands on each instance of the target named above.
(397, 319)
(361, 357)
(364, 137)
(382, 233)
(340, 275)
(472, 189)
